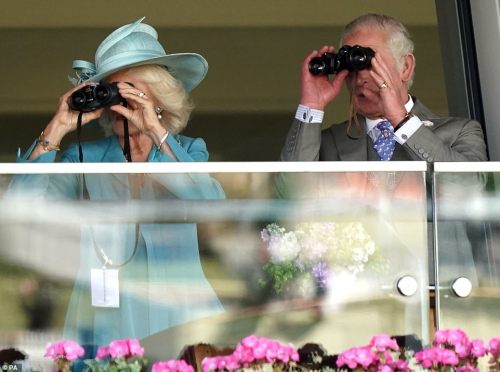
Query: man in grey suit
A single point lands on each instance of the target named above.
(379, 93)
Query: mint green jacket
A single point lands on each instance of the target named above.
(163, 284)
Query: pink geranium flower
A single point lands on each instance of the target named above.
(171, 366)
(494, 347)
(102, 353)
(126, 348)
(63, 353)
(66, 349)
(357, 357)
(478, 349)
(383, 342)
(253, 350)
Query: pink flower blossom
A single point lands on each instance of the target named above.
(401, 365)
(383, 342)
(252, 349)
(171, 366)
(426, 358)
(118, 348)
(436, 357)
(102, 353)
(447, 357)
(457, 336)
(228, 362)
(357, 357)
(67, 349)
(209, 364)
(126, 348)
(494, 347)
(452, 337)
(135, 347)
(385, 368)
(467, 368)
(478, 349)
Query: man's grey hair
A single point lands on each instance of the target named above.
(398, 36)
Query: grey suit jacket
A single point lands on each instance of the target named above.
(447, 139)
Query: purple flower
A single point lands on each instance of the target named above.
(320, 272)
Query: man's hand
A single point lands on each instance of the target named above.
(317, 91)
(393, 91)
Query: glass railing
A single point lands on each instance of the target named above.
(467, 233)
(181, 254)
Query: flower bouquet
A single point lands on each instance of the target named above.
(316, 250)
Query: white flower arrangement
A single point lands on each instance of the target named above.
(316, 249)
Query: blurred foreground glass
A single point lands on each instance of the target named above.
(332, 256)
(467, 235)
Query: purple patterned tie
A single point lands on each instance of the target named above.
(385, 143)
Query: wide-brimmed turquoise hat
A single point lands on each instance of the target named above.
(137, 44)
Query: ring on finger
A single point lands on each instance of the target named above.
(384, 85)
(141, 94)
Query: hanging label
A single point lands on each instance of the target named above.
(105, 287)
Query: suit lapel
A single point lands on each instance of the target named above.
(424, 113)
(351, 142)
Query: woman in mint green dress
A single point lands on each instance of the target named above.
(135, 279)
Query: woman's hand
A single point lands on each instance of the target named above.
(140, 111)
(63, 122)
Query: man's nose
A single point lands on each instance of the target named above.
(362, 77)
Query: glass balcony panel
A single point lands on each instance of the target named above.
(329, 256)
(467, 241)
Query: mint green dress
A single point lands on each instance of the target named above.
(163, 283)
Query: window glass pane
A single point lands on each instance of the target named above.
(296, 256)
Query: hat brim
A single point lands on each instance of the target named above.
(189, 68)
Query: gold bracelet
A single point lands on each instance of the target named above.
(162, 141)
(46, 144)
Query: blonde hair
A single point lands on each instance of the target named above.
(168, 93)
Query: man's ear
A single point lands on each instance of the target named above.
(408, 67)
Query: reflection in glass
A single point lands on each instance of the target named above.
(467, 237)
(299, 257)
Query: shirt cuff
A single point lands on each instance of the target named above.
(309, 115)
(404, 133)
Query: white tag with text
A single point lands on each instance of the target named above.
(105, 287)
